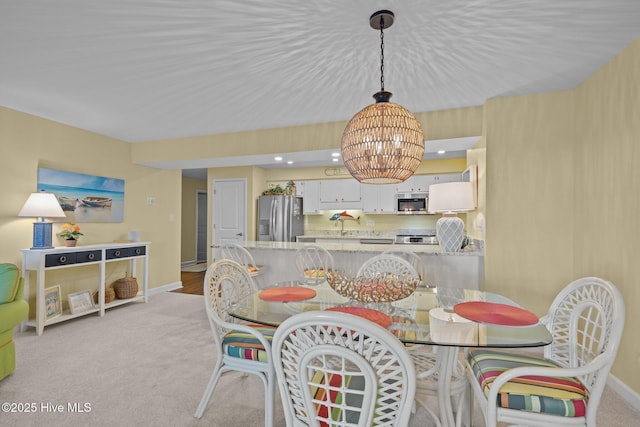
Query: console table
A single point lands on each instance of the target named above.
(42, 260)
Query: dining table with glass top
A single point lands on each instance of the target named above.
(430, 316)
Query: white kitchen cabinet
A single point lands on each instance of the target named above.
(311, 197)
(340, 194)
(379, 199)
(421, 183)
(415, 184)
(446, 177)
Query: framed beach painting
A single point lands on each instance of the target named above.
(84, 198)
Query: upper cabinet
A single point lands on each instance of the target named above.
(340, 194)
(310, 192)
(421, 183)
(379, 199)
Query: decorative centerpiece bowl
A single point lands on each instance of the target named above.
(380, 288)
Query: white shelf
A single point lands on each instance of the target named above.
(42, 260)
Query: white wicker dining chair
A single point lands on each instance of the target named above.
(313, 262)
(414, 259)
(428, 364)
(386, 264)
(242, 256)
(342, 370)
(586, 320)
(239, 347)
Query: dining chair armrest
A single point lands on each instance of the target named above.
(508, 375)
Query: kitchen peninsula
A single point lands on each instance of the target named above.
(463, 269)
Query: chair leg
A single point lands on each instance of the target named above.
(268, 379)
(215, 376)
(270, 401)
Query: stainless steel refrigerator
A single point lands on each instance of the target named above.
(280, 218)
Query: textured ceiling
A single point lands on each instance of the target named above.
(141, 70)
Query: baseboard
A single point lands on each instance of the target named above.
(627, 394)
(188, 263)
(165, 288)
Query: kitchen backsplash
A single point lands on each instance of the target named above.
(372, 223)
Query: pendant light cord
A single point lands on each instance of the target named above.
(381, 53)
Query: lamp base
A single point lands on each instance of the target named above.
(450, 233)
(42, 235)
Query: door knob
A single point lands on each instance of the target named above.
(239, 234)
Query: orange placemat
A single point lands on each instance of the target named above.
(495, 314)
(374, 316)
(287, 293)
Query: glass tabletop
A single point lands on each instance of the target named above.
(425, 317)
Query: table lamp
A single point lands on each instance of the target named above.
(42, 205)
(450, 198)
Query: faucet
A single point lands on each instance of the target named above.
(342, 232)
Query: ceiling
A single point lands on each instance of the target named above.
(143, 70)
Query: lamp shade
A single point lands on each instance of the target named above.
(451, 197)
(382, 144)
(42, 204)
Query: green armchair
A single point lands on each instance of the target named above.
(13, 310)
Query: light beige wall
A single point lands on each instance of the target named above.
(29, 142)
(606, 229)
(562, 184)
(530, 191)
(190, 189)
(437, 125)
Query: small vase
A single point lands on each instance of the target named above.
(70, 242)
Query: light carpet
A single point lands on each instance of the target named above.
(147, 365)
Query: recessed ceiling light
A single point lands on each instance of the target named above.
(277, 159)
(441, 151)
(335, 155)
(290, 162)
(334, 159)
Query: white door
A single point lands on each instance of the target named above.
(229, 203)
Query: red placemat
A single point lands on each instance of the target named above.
(374, 316)
(287, 293)
(495, 314)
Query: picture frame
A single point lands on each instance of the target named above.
(80, 301)
(84, 198)
(52, 302)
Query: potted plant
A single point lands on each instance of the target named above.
(70, 233)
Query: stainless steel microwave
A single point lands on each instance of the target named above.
(411, 204)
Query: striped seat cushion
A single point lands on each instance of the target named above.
(334, 394)
(246, 346)
(564, 396)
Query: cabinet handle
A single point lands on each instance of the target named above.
(62, 259)
(138, 251)
(91, 256)
(116, 253)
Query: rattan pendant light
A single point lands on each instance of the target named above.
(384, 142)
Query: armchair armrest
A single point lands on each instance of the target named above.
(12, 313)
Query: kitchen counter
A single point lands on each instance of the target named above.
(354, 246)
(464, 269)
